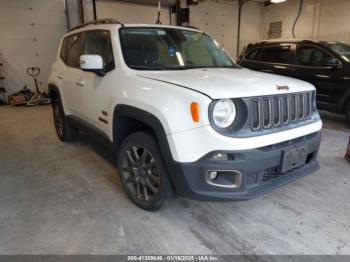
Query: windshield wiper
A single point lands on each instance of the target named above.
(203, 67)
(158, 67)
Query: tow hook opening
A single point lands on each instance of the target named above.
(224, 178)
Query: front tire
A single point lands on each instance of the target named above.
(65, 131)
(142, 172)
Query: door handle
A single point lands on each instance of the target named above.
(60, 76)
(80, 83)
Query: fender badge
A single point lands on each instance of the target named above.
(278, 87)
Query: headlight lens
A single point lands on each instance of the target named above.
(224, 113)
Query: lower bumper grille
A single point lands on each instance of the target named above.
(270, 174)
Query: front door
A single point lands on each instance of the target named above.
(92, 88)
(315, 65)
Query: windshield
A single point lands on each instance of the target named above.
(171, 49)
(340, 48)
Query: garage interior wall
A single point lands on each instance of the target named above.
(319, 20)
(31, 29)
(131, 12)
(218, 18)
(30, 33)
(73, 13)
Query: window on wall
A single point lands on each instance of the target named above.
(276, 54)
(275, 30)
(98, 42)
(308, 55)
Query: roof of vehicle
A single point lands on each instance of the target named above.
(274, 41)
(111, 21)
(277, 41)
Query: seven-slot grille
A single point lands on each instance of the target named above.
(281, 110)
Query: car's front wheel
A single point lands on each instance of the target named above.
(64, 131)
(142, 171)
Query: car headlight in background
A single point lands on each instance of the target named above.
(224, 113)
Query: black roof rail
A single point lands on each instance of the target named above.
(193, 27)
(97, 22)
(286, 41)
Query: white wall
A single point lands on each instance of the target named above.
(220, 19)
(29, 34)
(251, 22)
(130, 12)
(320, 19)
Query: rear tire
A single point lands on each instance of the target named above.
(347, 113)
(64, 131)
(142, 171)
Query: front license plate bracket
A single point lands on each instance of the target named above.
(293, 158)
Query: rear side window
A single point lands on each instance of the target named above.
(276, 54)
(253, 54)
(98, 42)
(73, 50)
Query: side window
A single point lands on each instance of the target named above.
(276, 54)
(64, 49)
(308, 55)
(98, 43)
(252, 55)
(73, 50)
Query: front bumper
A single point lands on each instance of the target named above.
(260, 169)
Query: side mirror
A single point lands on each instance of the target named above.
(92, 63)
(333, 63)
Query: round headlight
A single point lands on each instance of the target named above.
(224, 113)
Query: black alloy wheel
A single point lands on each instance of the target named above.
(58, 119)
(142, 171)
(64, 130)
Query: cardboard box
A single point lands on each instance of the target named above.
(15, 100)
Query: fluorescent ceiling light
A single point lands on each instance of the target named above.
(277, 1)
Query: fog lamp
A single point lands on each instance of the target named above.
(213, 175)
(220, 156)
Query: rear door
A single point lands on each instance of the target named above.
(275, 59)
(317, 66)
(72, 72)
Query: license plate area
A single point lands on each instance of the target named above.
(293, 158)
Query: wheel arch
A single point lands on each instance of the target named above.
(54, 92)
(128, 119)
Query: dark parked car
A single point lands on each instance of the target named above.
(324, 64)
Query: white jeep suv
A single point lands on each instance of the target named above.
(181, 114)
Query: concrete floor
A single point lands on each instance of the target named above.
(58, 198)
